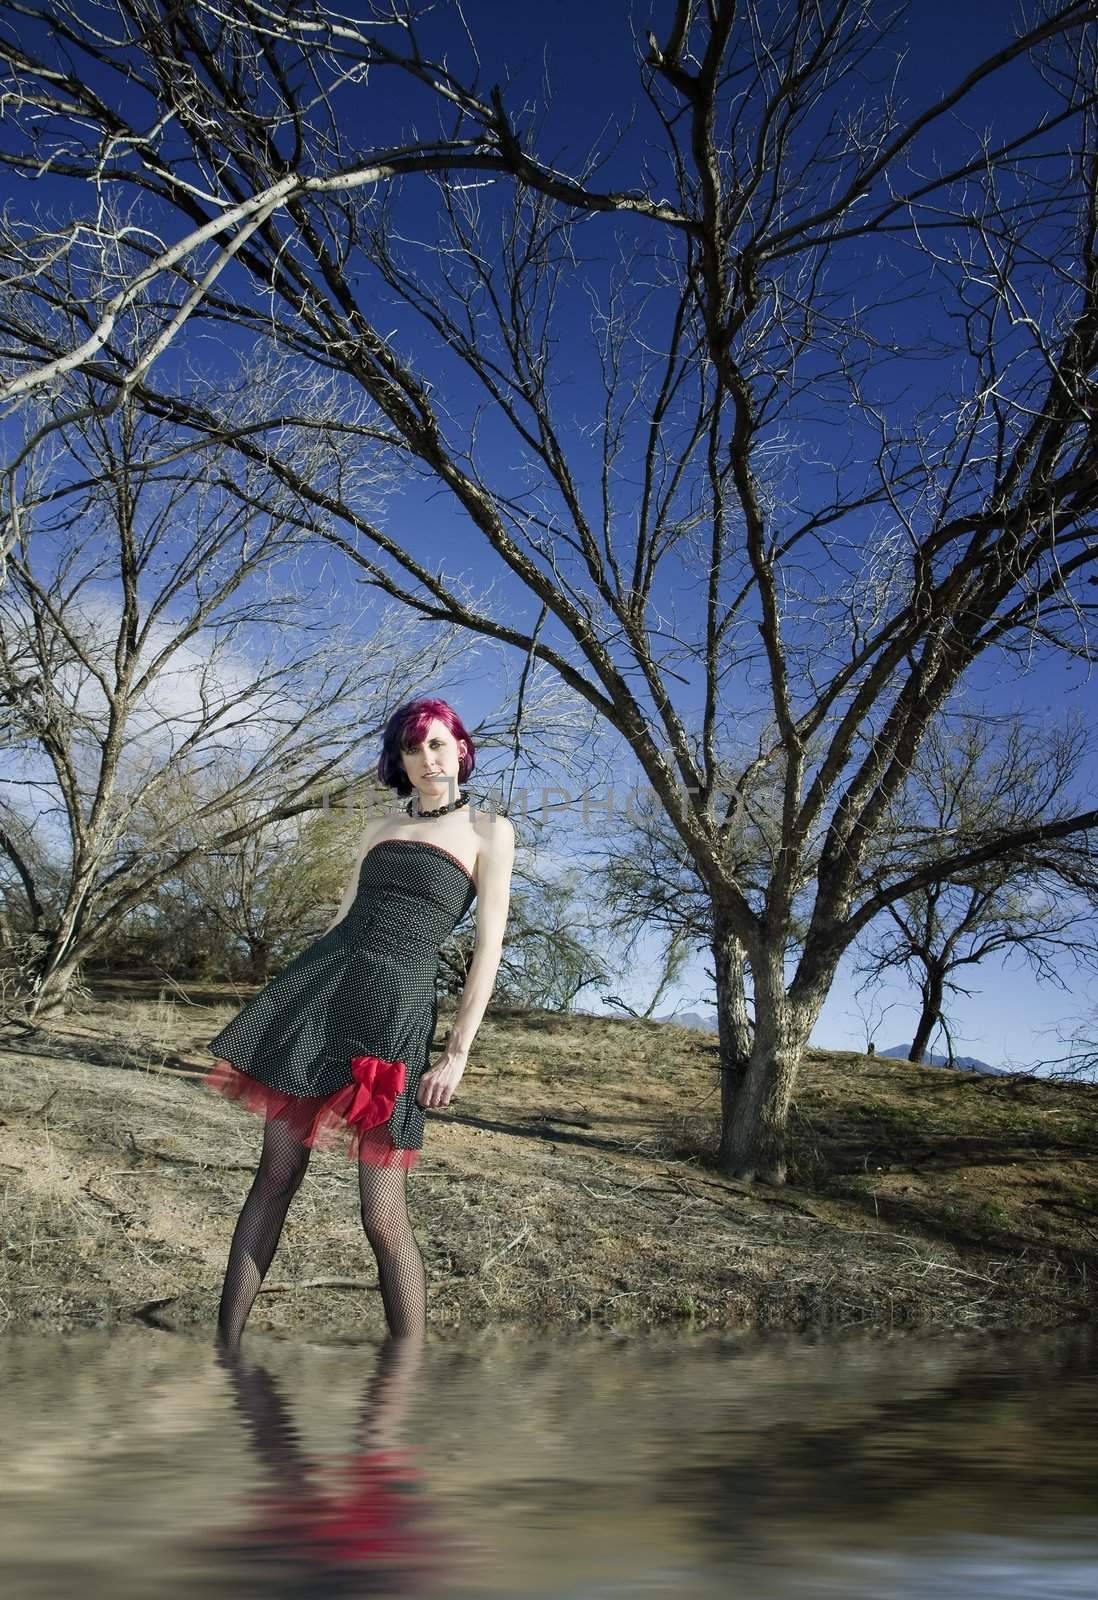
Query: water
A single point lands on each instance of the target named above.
(593, 1467)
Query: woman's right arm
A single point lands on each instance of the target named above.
(352, 887)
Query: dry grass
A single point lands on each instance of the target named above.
(572, 1182)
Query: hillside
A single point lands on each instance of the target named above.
(572, 1181)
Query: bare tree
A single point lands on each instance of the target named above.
(1078, 1061)
(649, 884)
(671, 968)
(234, 912)
(168, 699)
(271, 890)
(795, 235)
(947, 929)
(1037, 903)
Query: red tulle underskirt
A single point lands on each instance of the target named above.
(319, 1121)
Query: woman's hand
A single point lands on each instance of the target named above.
(438, 1084)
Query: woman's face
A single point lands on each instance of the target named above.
(432, 764)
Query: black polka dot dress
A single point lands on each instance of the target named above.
(336, 1043)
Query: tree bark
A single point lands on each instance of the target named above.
(753, 1140)
(50, 983)
(259, 960)
(734, 1027)
(933, 993)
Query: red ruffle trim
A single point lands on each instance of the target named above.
(352, 1119)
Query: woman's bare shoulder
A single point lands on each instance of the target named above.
(373, 832)
(495, 835)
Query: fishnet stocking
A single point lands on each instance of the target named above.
(401, 1274)
(278, 1177)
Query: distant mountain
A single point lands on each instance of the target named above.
(966, 1063)
(691, 1019)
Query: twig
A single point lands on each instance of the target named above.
(500, 1253)
(940, 1266)
(124, 1217)
(186, 1161)
(318, 1283)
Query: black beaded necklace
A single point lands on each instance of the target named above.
(439, 811)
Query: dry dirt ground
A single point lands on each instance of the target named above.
(571, 1182)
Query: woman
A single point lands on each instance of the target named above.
(334, 1050)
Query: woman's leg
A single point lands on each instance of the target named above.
(281, 1168)
(401, 1274)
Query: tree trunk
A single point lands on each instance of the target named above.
(933, 992)
(753, 1143)
(50, 986)
(259, 961)
(57, 959)
(734, 1027)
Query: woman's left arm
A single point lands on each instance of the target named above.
(494, 865)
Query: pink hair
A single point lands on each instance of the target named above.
(407, 725)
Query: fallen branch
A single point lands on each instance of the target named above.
(186, 1161)
(318, 1283)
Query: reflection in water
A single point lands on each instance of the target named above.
(359, 1524)
(767, 1466)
